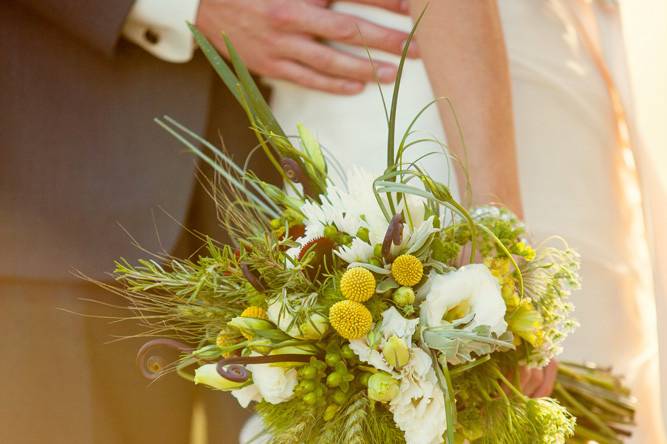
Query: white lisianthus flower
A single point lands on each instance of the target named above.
(471, 289)
(275, 384)
(419, 407)
(208, 374)
(246, 395)
(393, 324)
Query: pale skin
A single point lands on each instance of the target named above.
(463, 49)
(283, 39)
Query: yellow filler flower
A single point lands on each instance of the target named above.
(350, 319)
(357, 284)
(254, 312)
(407, 270)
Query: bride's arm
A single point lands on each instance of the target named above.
(462, 46)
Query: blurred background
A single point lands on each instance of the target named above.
(646, 42)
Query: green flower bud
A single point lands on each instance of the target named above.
(345, 239)
(251, 326)
(334, 379)
(260, 345)
(308, 372)
(347, 352)
(306, 386)
(375, 261)
(377, 250)
(330, 231)
(332, 359)
(208, 374)
(395, 352)
(276, 223)
(362, 234)
(382, 387)
(404, 296)
(314, 328)
(363, 378)
(310, 398)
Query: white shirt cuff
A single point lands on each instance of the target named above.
(159, 27)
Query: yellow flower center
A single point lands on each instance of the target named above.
(357, 284)
(407, 270)
(350, 319)
(254, 312)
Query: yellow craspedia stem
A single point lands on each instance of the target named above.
(350, 319)
(407, 270)
(357, 284)
(254, 312)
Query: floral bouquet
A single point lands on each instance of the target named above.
(353, 308)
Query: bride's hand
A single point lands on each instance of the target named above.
(283, 39)
(538, 382)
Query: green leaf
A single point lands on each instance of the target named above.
(459, 345)
(256, 100)
(216, 61)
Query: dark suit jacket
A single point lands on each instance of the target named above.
(79, 152)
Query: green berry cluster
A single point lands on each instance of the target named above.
(329, 384)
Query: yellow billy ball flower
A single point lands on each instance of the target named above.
(350, 319)
(357, 284)
(254, 312)
(407, 270)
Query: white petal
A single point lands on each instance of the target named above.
(247, 394)
(359, 251)
(473, 283)
(393, 324)
(366, 354)
(275, 384)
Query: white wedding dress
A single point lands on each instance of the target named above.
(576, 179)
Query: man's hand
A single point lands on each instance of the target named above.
(282, 39)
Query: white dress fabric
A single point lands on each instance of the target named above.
(576, 180)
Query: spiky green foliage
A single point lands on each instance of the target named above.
(549, 280)
(359, 422)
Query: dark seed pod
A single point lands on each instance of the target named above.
(394, 235)
(295, 173)
(252, 278)
(293, 170)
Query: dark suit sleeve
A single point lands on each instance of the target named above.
(97, 23)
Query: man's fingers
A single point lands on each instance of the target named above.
(336, 63)
(304, 18)
(305, 76)
(401, 6)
